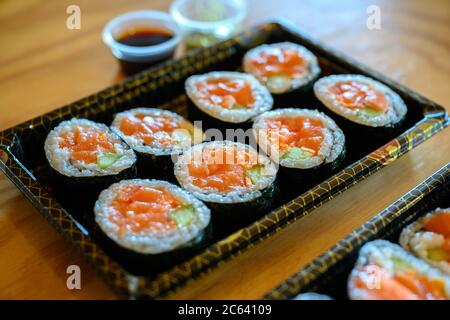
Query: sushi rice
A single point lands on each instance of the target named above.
(384, 270)
(363, 114)
(264, 179)
(428, 238)
(189, 220)
(277, 80)
(108, 163)
(184, 133)
(210, 103)
(331, 148)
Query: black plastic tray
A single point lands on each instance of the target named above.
(329, 272)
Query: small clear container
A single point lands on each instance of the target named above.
(205, 22)
(136, 58)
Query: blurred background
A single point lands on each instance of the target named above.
(40, 55)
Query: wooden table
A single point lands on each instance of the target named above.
(43, 65)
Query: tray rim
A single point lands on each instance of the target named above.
(330, 257)
(128, 285)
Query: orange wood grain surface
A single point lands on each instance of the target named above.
(43, 66)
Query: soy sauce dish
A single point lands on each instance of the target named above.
(140, 39)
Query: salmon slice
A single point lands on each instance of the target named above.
(439, 223)
(149, 128)
(227, 93)
(86, 143)
(301, 132)
(358, 95)
(278, 62)
(138, 208)
(222, 169)
(378, 284)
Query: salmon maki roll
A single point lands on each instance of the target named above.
(429, 238)
(231, 97)
(234, 180)
(87, 156)
(282, 67)
(152, 222)
(301, 139)
(385, 271)
(155, 135)
(361, 100)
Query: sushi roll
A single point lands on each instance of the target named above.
(385, 271)
(282, 67)
(361, 100)
(236, 182)
(305, 143)
(152, 222)
(230, 97)
(156, 136)
(311, 296)
(85, 156)
(429, 238)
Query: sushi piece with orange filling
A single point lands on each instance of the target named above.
(385, 271)
(429, 238)
(361, 100)
(282, 67)
(231, 97)
(152, 222)
(301, 141)
(155, 135)
(236, 182)
(87, 156)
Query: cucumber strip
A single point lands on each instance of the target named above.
(297, 154)
(181, 135)
(437, 254)
(237, 106)
(400, 264)
(183, 216)
(368, 113)
(279, 83)
(105, 160)
(254, 174)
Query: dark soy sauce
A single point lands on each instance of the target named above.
(142, 37)
(145, 37)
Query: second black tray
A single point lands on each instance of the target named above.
(328, 273)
